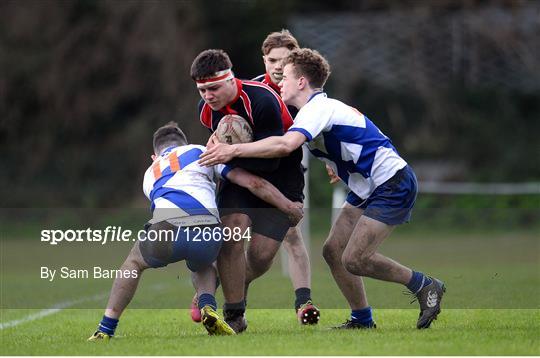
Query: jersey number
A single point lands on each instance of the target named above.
(173, 162)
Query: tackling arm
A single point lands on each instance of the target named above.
(271, 147)
(264, 190)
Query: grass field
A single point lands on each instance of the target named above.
(492, 306)
(275, 332)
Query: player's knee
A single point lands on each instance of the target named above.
(257, 270)
(295, 248)
(134, 263)
(293, 237)
(352, 264)
(260, 261)
(332, 252)
(357, 264)
(231, 249)
(236, 221)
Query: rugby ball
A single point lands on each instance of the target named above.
(234, 129)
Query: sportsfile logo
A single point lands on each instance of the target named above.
(117, 234)
(103, 236)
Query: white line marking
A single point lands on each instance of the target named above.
(49, 311)
(60, 306)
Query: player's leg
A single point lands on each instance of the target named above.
(298, 260)
(123, 289)
(200, 257)
(260, 255)
(390, 205)
(361, 258)
(350, 285)
(300, 273)
(231, 265)
(195, 311)
(262, 246)
(121, 294)
(269, 227)
(231, 260)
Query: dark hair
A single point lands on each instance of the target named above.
(310, 64)
(167, 136)
(282, 38)
(209, 62)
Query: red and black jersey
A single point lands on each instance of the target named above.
(294, 161)
(258, 104)
(264, 109)
(265, 78)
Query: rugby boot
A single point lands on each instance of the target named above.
(348, 324)
(308, 313)
(429, 298)
(195, 311)
(99, 336)
(213, 324)
(237, 321)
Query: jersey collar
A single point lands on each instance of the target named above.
(315, 94)
(267, 80)
(227, 109)
(167, 150)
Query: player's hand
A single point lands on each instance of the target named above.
(212, 141)
(332, 174)
(218, 153)
(295, 212)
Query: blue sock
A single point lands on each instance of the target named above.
(362, 316)
(418, 281)
(207, 299)
(108, 325)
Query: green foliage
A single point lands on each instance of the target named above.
(491, 131)
(87, 82)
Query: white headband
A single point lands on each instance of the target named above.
(216, 78)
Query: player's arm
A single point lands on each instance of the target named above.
(264, 190)
(267, 123)
(332, 175)
(271, 147)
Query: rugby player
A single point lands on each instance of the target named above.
(275, 48)
(382, 185)
(182, 195)
(262, 107)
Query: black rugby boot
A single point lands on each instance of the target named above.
(429, 299)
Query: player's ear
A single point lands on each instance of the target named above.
(302, 82)
(154, 157)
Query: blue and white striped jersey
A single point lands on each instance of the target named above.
(360, 154)
(176, 182)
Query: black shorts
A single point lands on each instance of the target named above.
(265, 219)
